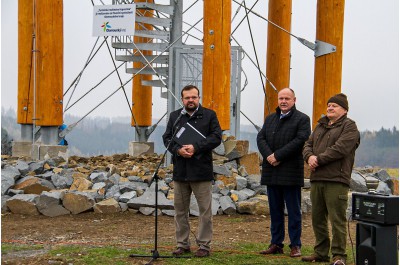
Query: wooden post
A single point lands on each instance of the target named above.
(217, 59)
(142, 95)
(49, 70)
(278, 51)
(25, 69)
(328, 68)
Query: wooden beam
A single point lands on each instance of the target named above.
(49, 71)
(25, 69)
(142, 95)
(328, 68)
(278, 51)
(217, 59)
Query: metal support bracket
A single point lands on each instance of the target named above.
(141, 134)
(322, 48)
(319, 47)
(150, 130)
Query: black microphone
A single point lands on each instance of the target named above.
(183, 112)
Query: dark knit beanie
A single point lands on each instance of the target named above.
(340, 99)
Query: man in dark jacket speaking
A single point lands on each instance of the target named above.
(280, 142)
(193, 168)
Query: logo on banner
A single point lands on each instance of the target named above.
(105, 26)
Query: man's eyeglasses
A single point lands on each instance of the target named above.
(188, 98)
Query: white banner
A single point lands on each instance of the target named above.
(114, 20)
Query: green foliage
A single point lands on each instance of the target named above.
(379, 148)
(6, 146)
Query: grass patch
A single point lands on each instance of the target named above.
(393, 172)
(92, 255)
(240, 254)
(12, 247)
(235, 219)
(247, 254)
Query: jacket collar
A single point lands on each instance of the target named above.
(325, 121)
(292, 110)
(198, 112)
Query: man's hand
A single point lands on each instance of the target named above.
(272, 160)
(313, 162)
(276, 163)
(186, 151)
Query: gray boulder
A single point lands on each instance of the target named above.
(125, 197)
(382, 175)
(148, 200)
(37, 167)
(113, 192)
(22, 166)
(357, 182)
(46, 175)
(96, 177)
(222, 170)
(7, 182)
(10, 171)
(383, 188)
(227, 205)
(241, 182)
(49, 203)
(62, 182)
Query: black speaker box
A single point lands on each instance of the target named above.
(375, 208)
(376, 244)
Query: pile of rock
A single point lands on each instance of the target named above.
(109, 184)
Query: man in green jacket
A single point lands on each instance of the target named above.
(330, 152)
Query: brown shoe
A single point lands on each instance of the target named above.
(337, 260)
(201, 253)
(295, 252)
(180, 251)
(272, 249)
(314, 258)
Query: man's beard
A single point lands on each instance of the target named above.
(191, 108)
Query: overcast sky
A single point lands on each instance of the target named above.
(370, 60)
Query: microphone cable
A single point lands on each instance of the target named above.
(351, 240)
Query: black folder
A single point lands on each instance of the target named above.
(187, 134)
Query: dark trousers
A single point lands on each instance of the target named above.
(329, 202)
(277, 197)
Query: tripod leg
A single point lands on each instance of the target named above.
(156, 255)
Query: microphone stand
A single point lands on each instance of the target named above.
(155, 255)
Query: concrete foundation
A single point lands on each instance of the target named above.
(21, 149)
(140, 148)
(37, 151)
(40, 151)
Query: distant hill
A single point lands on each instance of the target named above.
(106, 136)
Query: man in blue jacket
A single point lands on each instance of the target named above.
(193, 169)
(280, 143)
